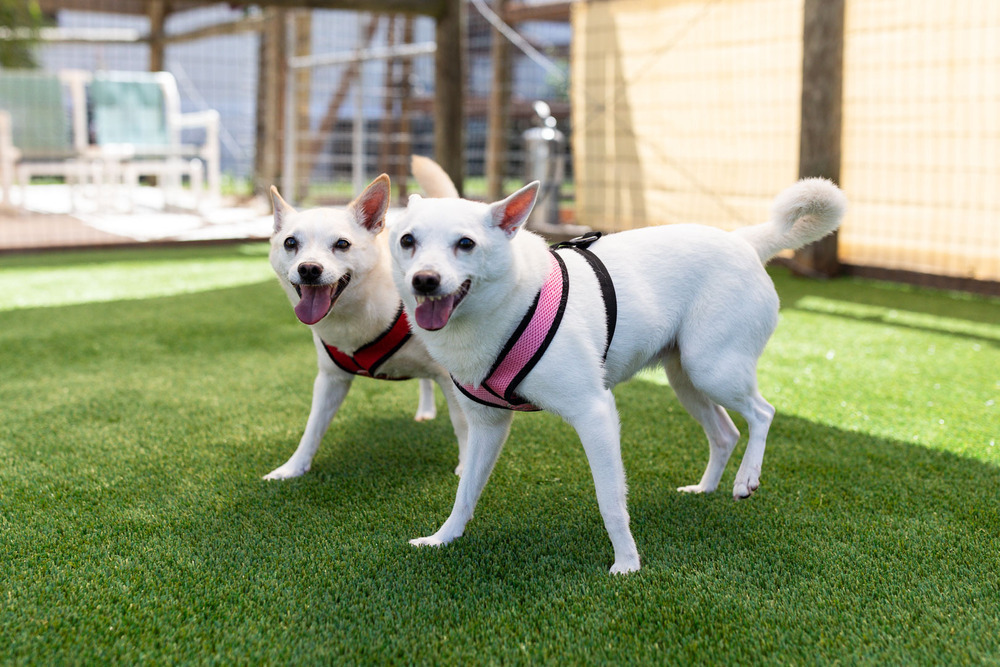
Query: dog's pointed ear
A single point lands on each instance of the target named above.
(370, 206)
(511, 213)
(282, 209)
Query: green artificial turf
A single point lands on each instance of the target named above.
(144, 394)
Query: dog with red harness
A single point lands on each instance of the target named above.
(334, 266)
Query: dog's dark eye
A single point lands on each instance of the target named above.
(291, 243)
(406, 241)
(465, 243)
(342, 244)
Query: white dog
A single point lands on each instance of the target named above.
(335, 268)
(691, 298)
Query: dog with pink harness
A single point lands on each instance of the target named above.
(537, 328)
(692, 299)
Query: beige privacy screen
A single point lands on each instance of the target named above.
(688, 111)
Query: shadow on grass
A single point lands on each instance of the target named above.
(899, 305)
(822, 487)
(855, 547)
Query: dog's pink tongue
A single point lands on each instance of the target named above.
(314, 304)
(433, 315)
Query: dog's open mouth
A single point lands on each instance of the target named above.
(433, 312)
(316, 300)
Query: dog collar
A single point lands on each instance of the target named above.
(369, 357)
(538, 327)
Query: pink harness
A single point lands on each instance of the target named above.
(536, 330)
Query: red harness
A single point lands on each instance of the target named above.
(367, 358)
(537, 329)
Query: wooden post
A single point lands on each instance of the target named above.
(449, 92)
(499, 111)
(157, 17)
(822, 93)
(303, 80)
(272, 69)
(388, 122)
(157, 12)
(405, 110)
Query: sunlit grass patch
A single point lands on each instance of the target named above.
(97, 277)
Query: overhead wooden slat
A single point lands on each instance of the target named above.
(517, 12)
(134, 7)
(141, 7)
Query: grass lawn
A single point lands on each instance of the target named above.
(145, 393)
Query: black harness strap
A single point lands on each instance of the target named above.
(581, 244)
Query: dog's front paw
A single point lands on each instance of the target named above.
(287, 471)
(430, 541)
(425, 415)
(695, 488)
(625, 565)
(745, 488)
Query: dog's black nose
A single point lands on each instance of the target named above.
(426, 282)
(310, 271)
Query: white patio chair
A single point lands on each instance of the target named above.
(43, 129)
(137, 123)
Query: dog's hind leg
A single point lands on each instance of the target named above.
(759, 415)
(719, 428)
(730, 379)
(426, 409)
(597, 424)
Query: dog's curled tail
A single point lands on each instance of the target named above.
(432, 178)
(803, 213)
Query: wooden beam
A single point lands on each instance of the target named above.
(76, 35)
(433, 8)
(543, 11)
(252, 23)
(134, 7)
(449, 92)
(520, 109)
(139, 7)
(498, 112)
(820, 134)
(132, 36)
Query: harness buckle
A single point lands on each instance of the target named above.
(582, 241)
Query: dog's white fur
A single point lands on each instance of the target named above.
(364, 309)
(691, 298)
